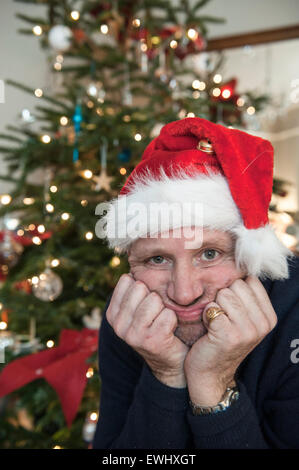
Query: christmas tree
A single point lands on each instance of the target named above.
(121, 70)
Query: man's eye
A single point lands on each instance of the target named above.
(158, 259)
(209, 255)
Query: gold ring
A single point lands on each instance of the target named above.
(214, 312)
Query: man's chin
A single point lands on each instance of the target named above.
(189, 333)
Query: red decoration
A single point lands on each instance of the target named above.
(27, 240)
(79, 35)
(63, 367)
(227, 95)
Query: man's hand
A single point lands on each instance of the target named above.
(139, 318)
(212, 361)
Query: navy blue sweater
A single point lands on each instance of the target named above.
(138, 411)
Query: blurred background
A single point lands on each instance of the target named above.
(84, 87)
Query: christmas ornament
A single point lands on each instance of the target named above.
(93, 321)
(124, 155)
(60, 37)
(103, 180)
(64, 367)
(77, 119)
(48, 286)
(10, 252)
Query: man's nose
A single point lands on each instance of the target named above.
(186, 285)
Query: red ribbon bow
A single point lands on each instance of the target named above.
(63, 367)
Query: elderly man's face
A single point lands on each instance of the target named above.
(186, 278)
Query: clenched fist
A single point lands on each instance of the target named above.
(212, 361)
(139, 317)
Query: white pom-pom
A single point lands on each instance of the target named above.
(59, 37)
(261, 252)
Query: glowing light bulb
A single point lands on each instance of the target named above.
(89, 373)
(35, 280)
(87, 174)
(65, 216)
(53, 188)
(226, 93)
(217, 78)
(155, 40)
(50, 343)
(123, 171)
(251, 110)
(115, 261)
(93, 416)
(192, 34)
(137, 137)
(196, 84)
(89, 235)
(46, 139)
(5, 199)
(216, 92)
(136, 22)
(28, 201)
(55, 263)
(84, 203)
(3, 325)
(37, 30)
(50, 207)
(104, 29)
(41, 228)
(190, 115)
(36, 240)
(173, 44)
(57, 66)
(240, 102)
(75, 15)
(38, 92)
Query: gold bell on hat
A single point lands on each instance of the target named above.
(205, 146)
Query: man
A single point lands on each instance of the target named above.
(196, 346)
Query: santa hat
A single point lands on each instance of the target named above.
(196, 163)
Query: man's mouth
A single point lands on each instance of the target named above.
(192, 315)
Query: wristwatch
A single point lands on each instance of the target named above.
(231, 394)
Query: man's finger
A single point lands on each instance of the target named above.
(124, 282)
(219, 322)
(262, 298)
(251, 305)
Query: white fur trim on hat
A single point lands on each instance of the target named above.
(205, 200)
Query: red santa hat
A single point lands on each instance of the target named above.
(196, 163)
